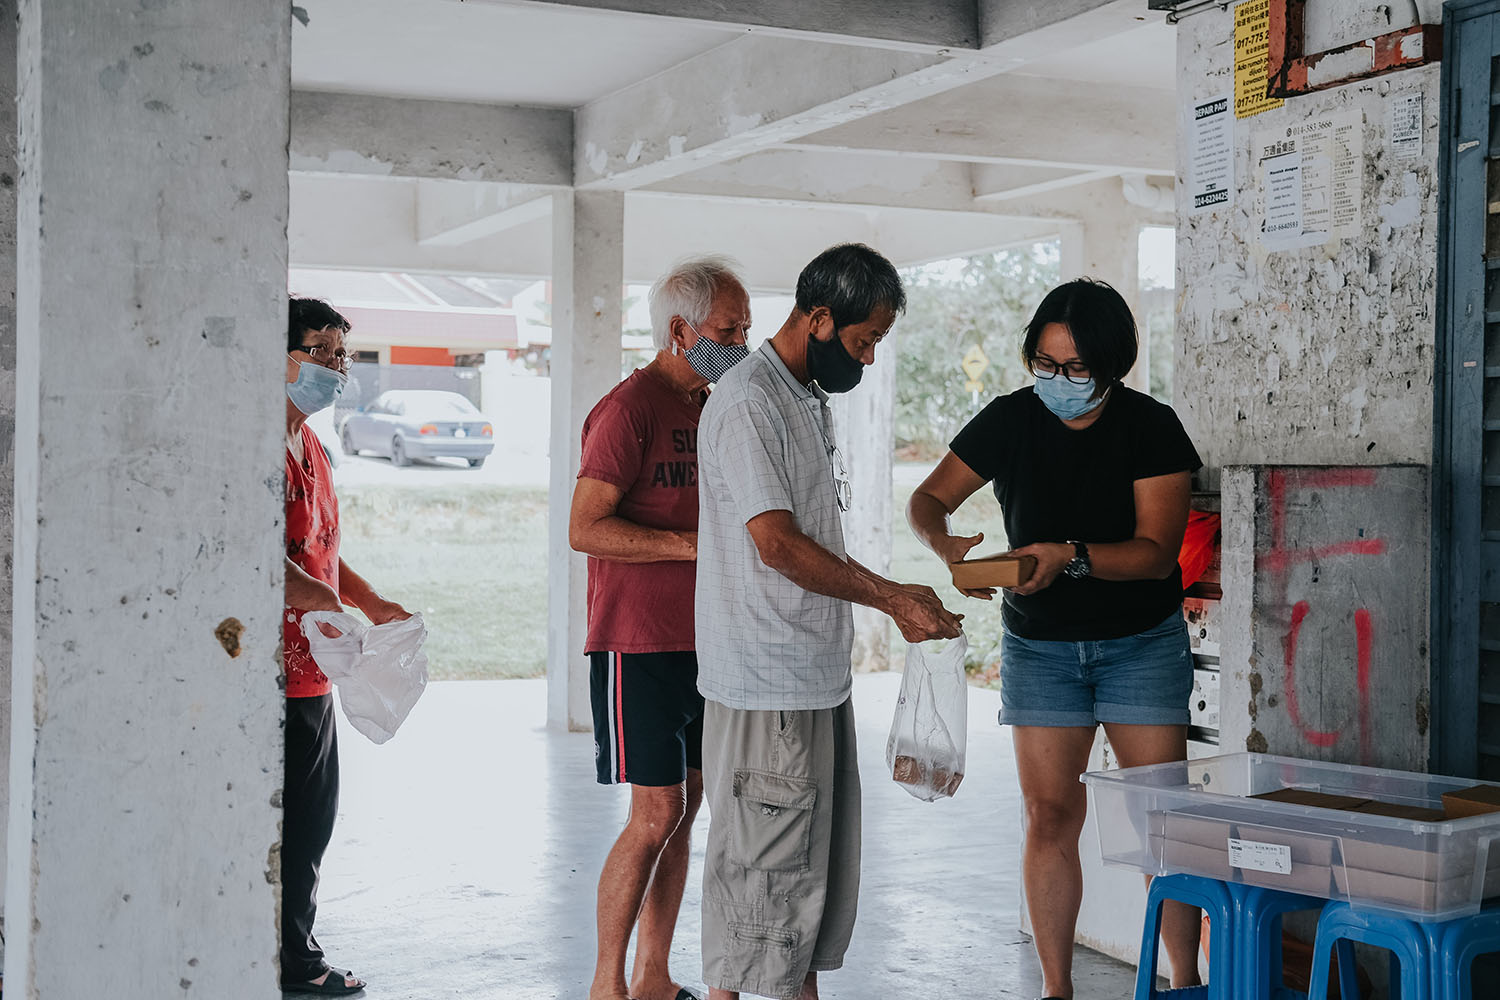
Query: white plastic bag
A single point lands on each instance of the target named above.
(928, 737)
(380, 670)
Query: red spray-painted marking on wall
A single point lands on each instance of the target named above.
(1279, 558)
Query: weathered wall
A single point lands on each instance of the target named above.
(1325, 626)
(150, 303)
(1317, 356)
(1312, 356)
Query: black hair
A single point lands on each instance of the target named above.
(852, 281)
(310, 314)
(1100, 322)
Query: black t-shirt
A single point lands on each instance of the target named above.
(1056, 484)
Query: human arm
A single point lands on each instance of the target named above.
(596, 528)
(783, 547)
(307, 593)
(1161, 512)
(931, 506)
(356, 590)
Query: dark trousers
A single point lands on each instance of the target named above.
(310, 800)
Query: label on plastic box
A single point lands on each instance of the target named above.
(1260, 857)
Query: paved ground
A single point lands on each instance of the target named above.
(468, 848)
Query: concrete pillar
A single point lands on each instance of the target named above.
(1325, 632)
(150, 301)
(7, 380)
(864, 420)
(1106, 245)
(588, 269)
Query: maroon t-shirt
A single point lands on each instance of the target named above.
(642, 438)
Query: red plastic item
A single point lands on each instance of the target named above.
(1198, 544)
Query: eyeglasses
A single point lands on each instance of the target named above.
(338, 360)
(841, 484)
(1074, 371)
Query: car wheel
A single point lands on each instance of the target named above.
(398, 452)
(346, 441)
(475, 463)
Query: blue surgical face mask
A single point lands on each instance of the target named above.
(711, 359)
(316, 387)
(1067, 400)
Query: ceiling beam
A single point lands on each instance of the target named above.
(1034, 121)
(995, 182)
(930, 24)
(388, 137)
(742, 97)
(452, 213)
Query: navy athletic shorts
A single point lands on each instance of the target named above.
(648, 717)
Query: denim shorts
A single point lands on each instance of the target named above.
(1143, 679)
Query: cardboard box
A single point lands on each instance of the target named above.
(991, 571)
(1177, 856)
(1475, 801)
(1306, 797)
(1415, 893)
(1312, 860)
(1420, 814)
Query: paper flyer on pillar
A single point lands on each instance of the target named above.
(1309, 181)
(1211, 156)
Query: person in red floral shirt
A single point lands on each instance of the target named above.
(316, 580)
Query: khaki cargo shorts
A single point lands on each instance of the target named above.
(781, 872)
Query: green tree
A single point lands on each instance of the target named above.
(952, 306)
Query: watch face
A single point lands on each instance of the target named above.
(1078, 567)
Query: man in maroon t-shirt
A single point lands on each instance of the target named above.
(635, 513)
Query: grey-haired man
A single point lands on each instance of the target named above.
(635, 512)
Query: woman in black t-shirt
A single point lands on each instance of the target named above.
(1093, 479)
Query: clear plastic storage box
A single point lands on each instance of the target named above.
(1374, 837)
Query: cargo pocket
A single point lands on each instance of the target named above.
(763, 960)
(772, 823)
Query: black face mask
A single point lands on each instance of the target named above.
(831, 365)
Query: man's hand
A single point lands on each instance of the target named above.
(919, 613)
(381, 611)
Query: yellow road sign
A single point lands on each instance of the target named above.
(975, 362)
(973, 385)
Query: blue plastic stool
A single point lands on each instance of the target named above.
(1257, 945)
(1209, 895)
(1461, 942)
(1414, 945)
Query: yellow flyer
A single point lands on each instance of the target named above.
(1252, 22)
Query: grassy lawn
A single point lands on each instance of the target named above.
(473, 560)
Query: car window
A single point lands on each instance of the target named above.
(431, 403)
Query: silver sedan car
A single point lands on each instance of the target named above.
(419, 423)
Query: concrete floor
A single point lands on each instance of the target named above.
(468, 848)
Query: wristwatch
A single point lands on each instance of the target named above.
(1079, 566)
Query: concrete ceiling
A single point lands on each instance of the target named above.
(550, 57)
(854, 108)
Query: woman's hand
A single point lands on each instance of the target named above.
(1050, 558)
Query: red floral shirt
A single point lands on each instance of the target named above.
(312, 542)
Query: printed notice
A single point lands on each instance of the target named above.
(1260, 857)
(1311, 181)
(1252, 48)
(1211, 164)
(1406, 126)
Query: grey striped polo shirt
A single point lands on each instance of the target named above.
(763, 642)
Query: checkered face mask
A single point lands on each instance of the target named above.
(711, 359)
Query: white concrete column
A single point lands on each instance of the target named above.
(150, 302)
(588, 269)
(7, 379)
(1107, 246)
(865, 422)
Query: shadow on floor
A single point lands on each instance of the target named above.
(467, 851)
